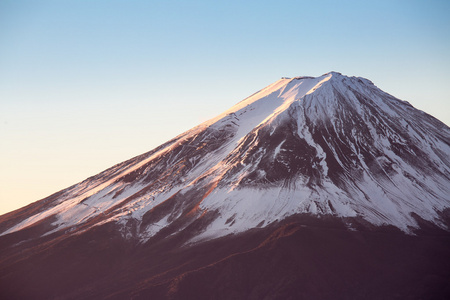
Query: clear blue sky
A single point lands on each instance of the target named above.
(87, 84)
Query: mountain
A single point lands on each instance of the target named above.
(313, 187)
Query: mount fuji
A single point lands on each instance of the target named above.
(313, 187)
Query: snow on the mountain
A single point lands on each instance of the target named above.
(277, 149)
(363, 154)
(243, 209)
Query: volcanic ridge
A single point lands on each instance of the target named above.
(330, 161)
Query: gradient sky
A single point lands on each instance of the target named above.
(87, 84)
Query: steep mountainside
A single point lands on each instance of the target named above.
(332, 161)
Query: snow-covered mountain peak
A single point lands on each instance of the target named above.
(327, 145)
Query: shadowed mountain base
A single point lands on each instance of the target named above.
(300, 258)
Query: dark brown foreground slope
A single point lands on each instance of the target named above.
(303, 258)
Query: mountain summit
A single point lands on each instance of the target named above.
(325, 148)
(332, 145)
